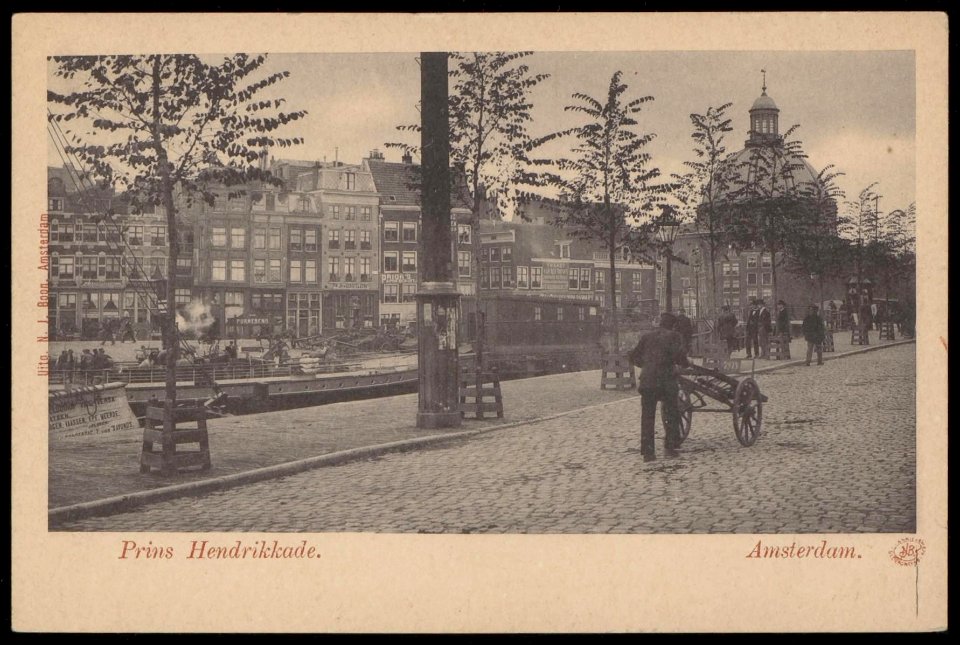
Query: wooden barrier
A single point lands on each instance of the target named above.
(618, 373)
(483, 390)
(828, 342)
(858, 336)
(887, 331)
(170, 459)
(779, 348)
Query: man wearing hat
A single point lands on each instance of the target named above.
(753, 326)
(764, 329)
(656, 354)
(783, 325)
(813, 333)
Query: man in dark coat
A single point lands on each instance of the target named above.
(656, 354)
(783, 325)
(684, 327)
(865, 320)
(727, 328)
(753, 328)
(813, 333)
(764, 330)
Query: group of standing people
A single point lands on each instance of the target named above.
(109, 330)
(95, 359)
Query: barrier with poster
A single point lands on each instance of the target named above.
(90, 412)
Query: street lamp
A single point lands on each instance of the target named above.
(667, 228)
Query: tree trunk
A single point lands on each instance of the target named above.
(170, 333)
(612, 243)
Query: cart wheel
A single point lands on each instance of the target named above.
(686, 414)
(747, 412)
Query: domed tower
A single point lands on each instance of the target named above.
(764, 120)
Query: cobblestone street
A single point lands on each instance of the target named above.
(837, 455)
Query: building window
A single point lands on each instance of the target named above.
(274, 239)
(766, 293)
(463, 264)
(259, 270)
(408, 292)
(274, 273)
(365, 240)
(366, 213)
(573, 278)
(351, 212)
(751, 262)
(619, 284)
(303, 204)
(259, 238)
(536, 277)
(349, 269)
(599, 278)
(310, 271)
(506, 254)
(409, 231)
(88, 267)
(391, 262)
(637, 282)
(523, 277)
(333, 268)
(559, 313)
(495, 254)
(484, 278)
(333, 239)
(351, 179)
(484, 254)
(507, 277)
(731, 268)
(585, 279)
(238, 270)
(295, 271)
(765, 260)
(238, 238)
(62, 267)
(409, 262)
(135, 236)
(767, 278)
(464, 233)
(582, 313)
(218, 270)
(89, 232)
(350, 239)
(295, 239)
(181, 297)
(218, 236)
(109, 268)
(310, 240)
(536, 313)
(564, 249)
(495, 277)
(335, 211)
(751, 278)
(391, 231)
(184, 267)
(55, 204)
(365, 270)
(391, 293)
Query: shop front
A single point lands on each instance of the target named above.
(303, 313)
(349, 308)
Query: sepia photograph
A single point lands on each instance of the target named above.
(505, 291)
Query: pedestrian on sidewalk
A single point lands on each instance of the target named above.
(753, 329)
(684, 327)
(764, 329)
(865, 320)
(657, 354)
(783, 326)
(727, 328)
(813, 333)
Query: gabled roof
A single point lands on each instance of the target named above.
(396, 182)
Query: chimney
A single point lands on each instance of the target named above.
(376, 155)
(407, 158)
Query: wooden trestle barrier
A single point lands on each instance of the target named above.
(480, 387)
(779, 348)
(858, 338)
(887, 331)
(170, 459)
(618, 373)
(828, 341)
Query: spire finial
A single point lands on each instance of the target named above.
(764, 72)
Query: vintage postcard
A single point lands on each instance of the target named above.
(479, 323)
